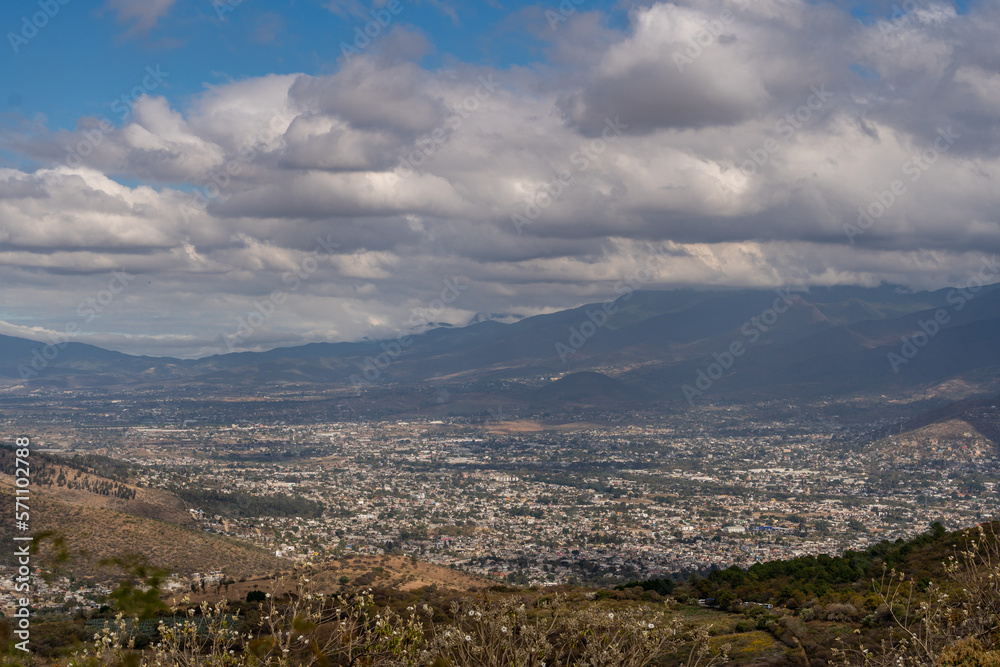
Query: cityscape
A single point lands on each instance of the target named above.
(516, 333)
(526, 503)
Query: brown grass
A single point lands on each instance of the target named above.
(94, 532)
(398, 573)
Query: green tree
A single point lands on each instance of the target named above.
(138, 592)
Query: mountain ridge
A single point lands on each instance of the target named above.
(831, 340)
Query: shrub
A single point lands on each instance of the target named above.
(841, 612)
(308, 628)
(952, 623)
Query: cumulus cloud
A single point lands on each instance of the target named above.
(739, 143)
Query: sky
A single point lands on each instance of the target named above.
(191, 177)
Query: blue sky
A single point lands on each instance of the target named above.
(87, 57)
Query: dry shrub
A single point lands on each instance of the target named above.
(308, 628)
(954, 622)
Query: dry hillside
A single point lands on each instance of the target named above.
(95, 532)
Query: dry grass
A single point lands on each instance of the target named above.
(531, 426)
(151, 503)
(388, 572)
(94, 532)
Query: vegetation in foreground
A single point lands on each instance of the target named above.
(933, 601)
(308, 627)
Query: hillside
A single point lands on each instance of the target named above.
(823, 604)
(782, 613)
(982, 416)
(85, 500)
(589, 389)
(74, 482)
(951, 439)
(95, 532)
(395, 573)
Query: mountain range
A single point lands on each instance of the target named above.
(641, 348)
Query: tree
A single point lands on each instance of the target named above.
(725, 598)
(138, 593)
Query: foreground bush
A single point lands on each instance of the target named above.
(949, 624)
(309, 628)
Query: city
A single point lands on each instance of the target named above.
(525, 503)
